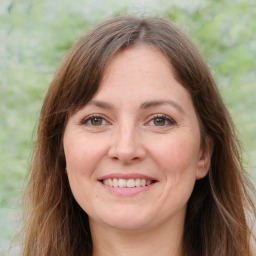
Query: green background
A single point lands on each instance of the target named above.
(35, 36)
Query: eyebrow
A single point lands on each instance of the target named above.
(100, 104)
(145, 105)
(155, 103)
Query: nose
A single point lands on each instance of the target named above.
(127, 146)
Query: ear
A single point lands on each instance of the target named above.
(204, 161)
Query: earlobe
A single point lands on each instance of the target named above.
(204, 161)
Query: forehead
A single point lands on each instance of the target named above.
(146, 56)
(138, 72)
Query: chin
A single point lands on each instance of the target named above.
(126, 220)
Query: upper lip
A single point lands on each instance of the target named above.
(125, 176)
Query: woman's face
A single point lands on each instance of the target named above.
(133, 152)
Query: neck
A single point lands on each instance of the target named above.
(166, 240)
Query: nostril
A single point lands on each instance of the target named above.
(114, 158)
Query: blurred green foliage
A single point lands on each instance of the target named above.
(36, 34)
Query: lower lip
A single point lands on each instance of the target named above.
(128, 191)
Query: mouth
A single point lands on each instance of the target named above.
(127, 183)
(121, 184)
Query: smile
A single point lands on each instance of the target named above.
(127, 183)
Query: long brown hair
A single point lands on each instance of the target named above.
(216, 220)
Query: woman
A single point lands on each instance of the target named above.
(136, 153)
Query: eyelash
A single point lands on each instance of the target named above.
(167, 119)
(90, 118)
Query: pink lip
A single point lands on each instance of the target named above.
(127, 191)
(125, 176)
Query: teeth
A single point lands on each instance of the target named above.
(130, 183)
(137, 182)
(105, 182)
(110, 182)
(115, 183)
(122, 183)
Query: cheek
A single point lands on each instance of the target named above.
(178, 154)
(177, 157)
(81, 160)
(81, 155)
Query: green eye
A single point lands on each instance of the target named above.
(96, 121)
(93, 121)
(159, 121)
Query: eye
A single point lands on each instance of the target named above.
(161, 120)
(94, 121)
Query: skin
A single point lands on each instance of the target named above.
(147, 125)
